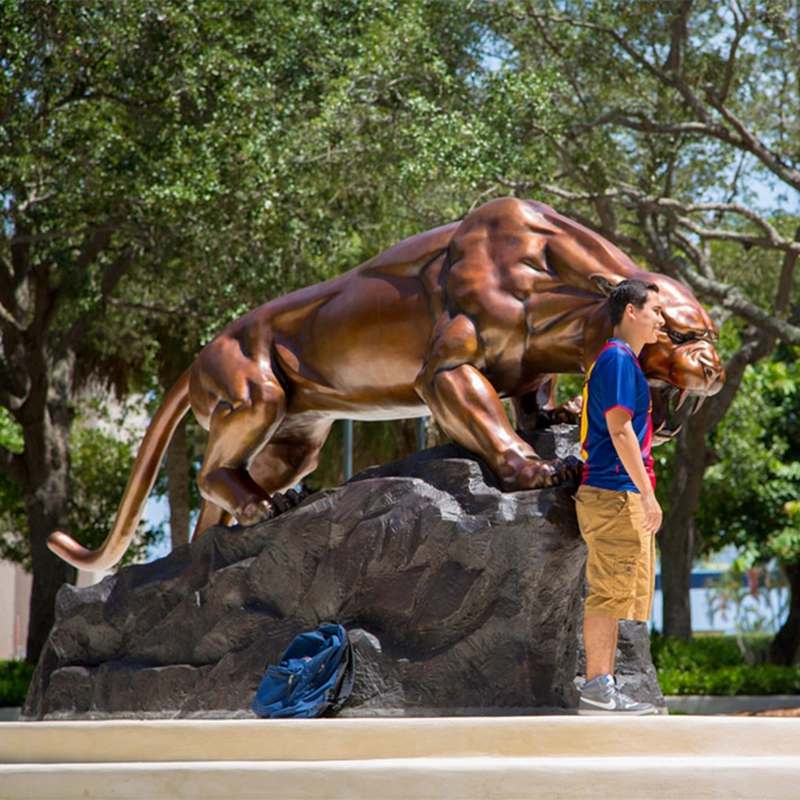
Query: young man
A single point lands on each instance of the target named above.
(617, 508)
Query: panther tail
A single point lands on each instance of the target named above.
(143, 475)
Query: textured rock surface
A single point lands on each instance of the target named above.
(458, 597)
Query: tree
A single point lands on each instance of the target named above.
(750, 490)
(674, 120)
(166, 166)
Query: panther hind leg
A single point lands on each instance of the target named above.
(291, 454)
(210, 516)
(538, 409)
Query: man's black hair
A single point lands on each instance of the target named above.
(631, 291)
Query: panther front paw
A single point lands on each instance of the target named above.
(540, 473)
(256, 510)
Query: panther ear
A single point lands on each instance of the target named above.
(603, 284)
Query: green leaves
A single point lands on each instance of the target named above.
(165, 167)
(100, 466)
(15, 677)
(735, 680)
(750, 492)
(715, 665)
(10, 433)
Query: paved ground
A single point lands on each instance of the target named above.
(775, 712)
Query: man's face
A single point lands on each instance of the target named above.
(647, 320)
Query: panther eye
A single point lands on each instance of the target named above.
(678, 337)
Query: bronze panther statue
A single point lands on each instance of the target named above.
(446, 322)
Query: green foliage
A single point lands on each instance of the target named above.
(10, 432)
(702, 652)
(15, 677)
(255, 149)
(13, 522)
(568, 387)
(750, 490)
(237, 153)
(100, 466)
(740, 679)
(716, 665)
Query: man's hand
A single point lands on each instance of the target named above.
(653, 515)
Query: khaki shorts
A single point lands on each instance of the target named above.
(620, 566)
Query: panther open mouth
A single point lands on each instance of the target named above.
(671, 406)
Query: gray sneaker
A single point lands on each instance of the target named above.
(601, 696)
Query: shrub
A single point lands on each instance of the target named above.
(716, 665)
(15, 676)
(708, 652)
(732, 680)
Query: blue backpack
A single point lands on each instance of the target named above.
(315, 676)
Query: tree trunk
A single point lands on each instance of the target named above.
(46, 435)
(678, 536)
(679, 540)
(178, 486)
(49, 574)
(785, 647)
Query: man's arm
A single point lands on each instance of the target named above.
(627, 446)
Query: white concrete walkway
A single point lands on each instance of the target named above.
(404, 759)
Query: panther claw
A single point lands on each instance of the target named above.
(278, 504)
(254, 511)
(546, 474)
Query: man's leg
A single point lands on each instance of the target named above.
(614, 546)
(600, 643)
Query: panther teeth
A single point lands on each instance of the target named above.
(699, 403)
(682, 399)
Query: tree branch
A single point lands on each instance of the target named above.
(731, 297)
(637, 121)
(783, 293)
(738, 135)
(743, 238)
(20, 260)
(608, 226)
(728, 208)
(678, 34)
(740, 27)
(7, 318)
(773, 240)
(696, 255)
(749, 141)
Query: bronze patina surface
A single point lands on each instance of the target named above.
(446, 323)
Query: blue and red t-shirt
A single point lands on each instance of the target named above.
(615, 380)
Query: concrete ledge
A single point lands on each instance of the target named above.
(722, 704)
(479, 778)
(482, 758)
(360, 739)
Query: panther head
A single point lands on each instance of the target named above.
(684, 363)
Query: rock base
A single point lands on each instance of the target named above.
(457, 597)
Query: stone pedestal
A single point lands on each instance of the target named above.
(459, 598)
